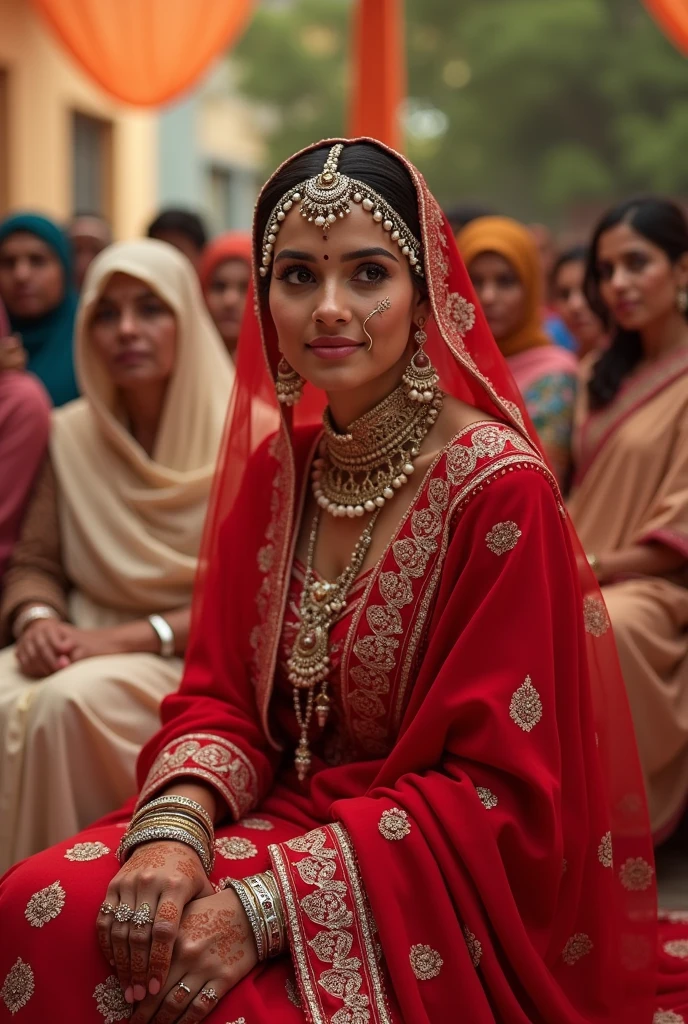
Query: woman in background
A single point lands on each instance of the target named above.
(225, 272)
(504, 264)
(567, 287)
(630, 497)
(98, 590)
(36, 286)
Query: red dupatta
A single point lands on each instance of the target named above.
(490, 784)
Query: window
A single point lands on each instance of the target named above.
(91, 164)
(220, 199)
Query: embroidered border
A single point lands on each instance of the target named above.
(212, 758)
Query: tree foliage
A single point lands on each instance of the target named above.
(533, 106)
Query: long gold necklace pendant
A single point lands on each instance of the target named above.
(302, 759)
(322, 708)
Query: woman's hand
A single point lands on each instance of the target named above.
(12, 353)
(44, 647)
(214, 950)
(92, 643)
(164, 876)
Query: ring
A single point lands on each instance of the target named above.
(185, 987)
(142, 916)
(106, 908)
(123, 913)
(209, 995)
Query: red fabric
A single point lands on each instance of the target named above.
(233, 245)
(672, 17)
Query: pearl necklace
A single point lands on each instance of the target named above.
(357, 472)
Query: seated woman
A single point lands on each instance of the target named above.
(504, 264)
(225, 273)
(630, 496)
(567, 287)
(24, 428)
(111, 537)
(36, 286)
(381, 771)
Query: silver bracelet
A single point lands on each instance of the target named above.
(33, 614)
(152, 832)
(170, 801)
(165, 635)
(251, 913)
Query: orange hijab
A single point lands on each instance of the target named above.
(515, 244)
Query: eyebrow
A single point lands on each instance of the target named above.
(358, 254)
(295, 254)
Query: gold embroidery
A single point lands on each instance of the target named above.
(259, 824)
(293, 994)
(595, 616)
(576, 948)
(461, 311)
(45, 905)
(87, 851)
(526, 707)
(394, 824)
(110, 1001)
(235, 848)
(426, 962)
(486, 797)
(668, 1017)
(502, 538)
(475, 948)
(636, 874)
(678, 948)
(604, 851)
(18, 987)
(675, 916)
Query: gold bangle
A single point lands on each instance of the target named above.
(173, 821)
(156, 833)
(172, 815)
(184, 803)
(270, 910)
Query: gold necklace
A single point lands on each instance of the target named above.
(359, 471)
(309, 663)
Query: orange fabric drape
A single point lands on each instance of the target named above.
(672, 17)
(378, 68)
(145, 52)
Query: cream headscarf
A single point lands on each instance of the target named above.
(131, 525)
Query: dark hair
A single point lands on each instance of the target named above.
(361, 160)
(664, 224)
(185, 222)
(575, 254)
(462, 214)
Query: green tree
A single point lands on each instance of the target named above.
(530, 106)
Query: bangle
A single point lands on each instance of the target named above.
(261, 889)
(165, 635)
(32, 614)
(184, 803)
(251, 913)
(178, 835)
(594, 563)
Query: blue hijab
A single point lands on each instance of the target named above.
(48, 339)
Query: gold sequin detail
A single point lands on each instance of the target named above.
(636, 874)
(259, 824)
(475, 948)
(595, 616)
(677, 947)
(576, 948)
(604, 851)
(394, 824)
(87, 851)
(426, 963)
(110, 1001)
(293, 994)
(18, 987)
(45, 905)
(668, 1017)
(235, 848)
(486, 797)
(526, 707)
(503, 537)
(461, 311)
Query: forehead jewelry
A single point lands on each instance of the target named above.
(327, 198)
(384, 304)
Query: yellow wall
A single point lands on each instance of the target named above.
(44, 87)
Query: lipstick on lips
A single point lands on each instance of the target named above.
(337, 347)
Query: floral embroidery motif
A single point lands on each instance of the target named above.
(486, 797)
(87, 851)
(595, 616)
(678, 948)
(394, 824)
(45, 905)
(426, 962)
(18, 987)
(293, 994)
(475, 948)
(668, 1017)
(576, 948)
(604, 851)
(110, 1001)
(235, 848)
(461, 311)
(526, 707)
(636, 874)
(676, 916)
(502, 538)
(259, 824)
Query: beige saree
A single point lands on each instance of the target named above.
(631, 488)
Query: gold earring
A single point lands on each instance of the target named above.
(421, 377)
(289, 384)
(682, 301)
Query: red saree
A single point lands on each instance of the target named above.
(472, 842)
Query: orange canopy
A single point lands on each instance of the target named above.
(672, 16)
(378, 70)
(146, 52)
